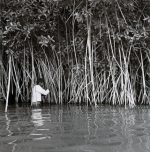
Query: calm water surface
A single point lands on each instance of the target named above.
(75, 129)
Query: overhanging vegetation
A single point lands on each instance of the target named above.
(87, 51)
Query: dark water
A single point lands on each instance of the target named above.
(75, 129)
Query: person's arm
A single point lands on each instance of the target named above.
(41, 90)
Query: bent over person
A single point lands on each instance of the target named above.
(37, 91)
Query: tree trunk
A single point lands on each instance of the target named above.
(0, 57)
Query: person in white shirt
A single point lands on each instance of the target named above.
(37, 91)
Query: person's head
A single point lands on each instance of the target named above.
(40, 81)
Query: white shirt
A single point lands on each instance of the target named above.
(37, 91)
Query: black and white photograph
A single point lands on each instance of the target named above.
(74, 75)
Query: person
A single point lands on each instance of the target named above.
(37, 91)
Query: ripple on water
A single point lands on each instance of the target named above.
(104, 129)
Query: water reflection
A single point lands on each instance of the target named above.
(40, 121)
(75, 128)
(92, 123)
(37, 117)
(10, 133)
(7, 125)
(134, 130)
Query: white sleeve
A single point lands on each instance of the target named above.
(41, 90)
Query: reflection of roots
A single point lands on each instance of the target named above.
(130, 120)
(14, 145)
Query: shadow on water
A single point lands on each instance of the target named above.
(70, 128)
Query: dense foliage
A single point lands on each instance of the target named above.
(91, 51)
